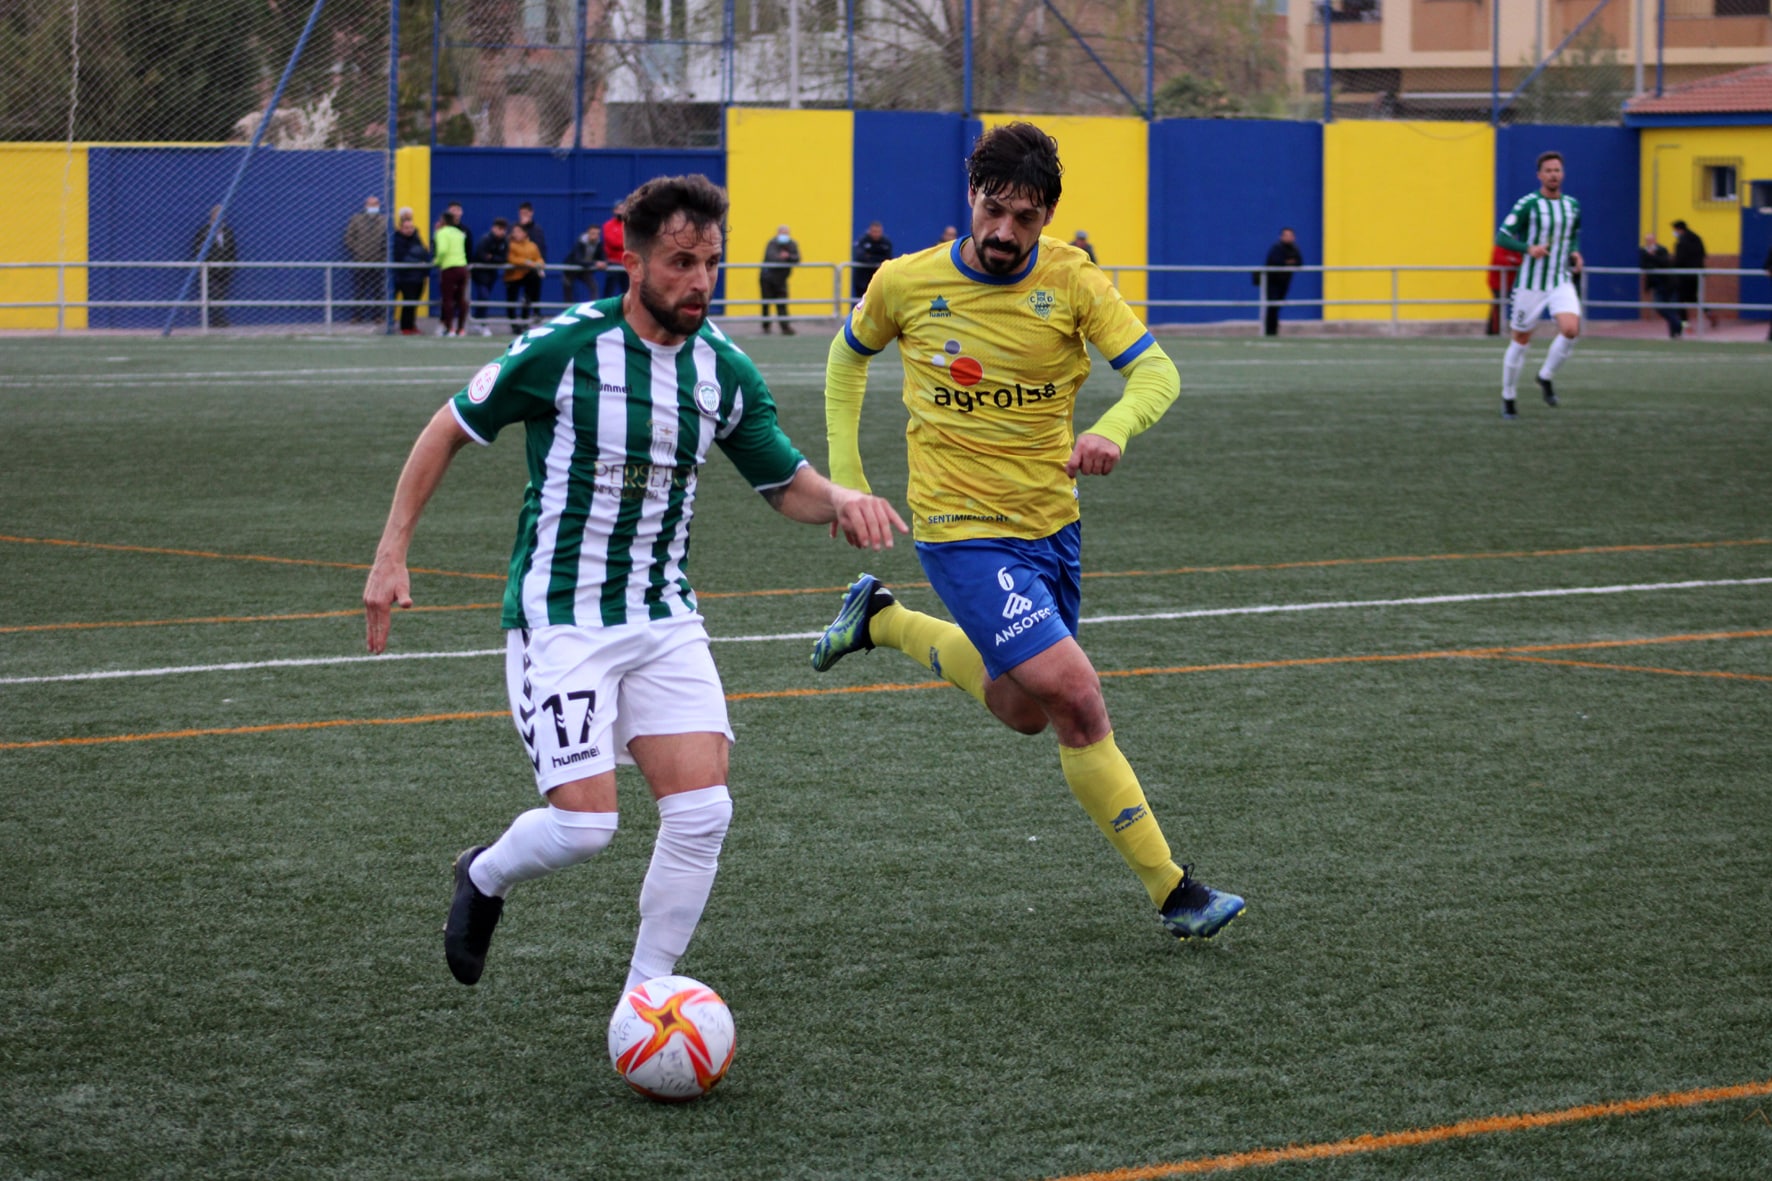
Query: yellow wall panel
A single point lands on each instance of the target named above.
(792, 168)
(1408, 193)
(1106, 175)
(412, 186)
(45, 184)
(1671, 162)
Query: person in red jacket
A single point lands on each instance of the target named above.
(615, 279)
(1504, 268)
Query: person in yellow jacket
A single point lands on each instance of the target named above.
(523, 272)
(451, 243)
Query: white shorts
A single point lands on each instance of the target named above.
(1530, 306)
(579, 695)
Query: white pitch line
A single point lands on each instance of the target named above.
(1201, 613)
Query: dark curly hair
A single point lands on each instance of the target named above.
(1016, 158)
(702, 202)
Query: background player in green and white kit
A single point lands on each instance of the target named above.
(1545, 227)
(607, 660)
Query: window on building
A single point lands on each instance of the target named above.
(1716, 181)
(1743, 8)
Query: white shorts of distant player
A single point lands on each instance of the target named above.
(1530, 306)
(580, 694)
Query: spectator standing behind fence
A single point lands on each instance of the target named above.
(451, 242)
(1081, 242)
(221, 278)
(584, 263)
(1276, 271)
(526, 219)
(1652, 260)
(871, 249)
(409, 280)
(1689, 255)
(522, 278)
(949, 233)
(366, 240)
(780, 255)
(489, 260)
(1504, 269)
(615, 278)
(459, 221)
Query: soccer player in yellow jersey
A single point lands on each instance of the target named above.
(991, 331)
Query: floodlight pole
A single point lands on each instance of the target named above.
(391, 175)
(257, 137)
(1328, 72)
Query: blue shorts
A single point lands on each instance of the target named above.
(1013, 598)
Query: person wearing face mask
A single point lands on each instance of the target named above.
(779, 256)
(366, 241)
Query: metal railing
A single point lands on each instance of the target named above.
(328, 303)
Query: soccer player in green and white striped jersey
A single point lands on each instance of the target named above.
(607, 660)
(1545, 227)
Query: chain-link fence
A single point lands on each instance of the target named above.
(179, 142)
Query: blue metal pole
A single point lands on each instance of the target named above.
(1329, 73)
(257, 136)
(392, 172)
(966, 59)
(1150, 59)
(436, 61)
(578, 86)
(849, 67)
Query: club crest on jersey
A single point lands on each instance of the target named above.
(707, 397)
(480, 388)
(1042, 302)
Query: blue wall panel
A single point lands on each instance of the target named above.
(1600, 164)
(570, 190)
(1220, 191)
(148, 203)
(910, 175)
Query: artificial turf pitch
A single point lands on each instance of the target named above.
(1478, 715)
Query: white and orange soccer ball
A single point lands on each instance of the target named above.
(672, 1038)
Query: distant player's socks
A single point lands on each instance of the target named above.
(1511, 364)
(539, 842)
(685, 857)
(1560, 349)
(936, 644)
(1105, 784)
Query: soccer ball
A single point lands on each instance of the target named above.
(672, 1038)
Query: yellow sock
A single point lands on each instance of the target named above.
(1105, 784)
(934, 643)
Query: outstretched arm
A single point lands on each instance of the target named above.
(866, 521)
(389, 585)
(845, 384)
(1152, 384)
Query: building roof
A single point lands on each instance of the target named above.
(1746, 91)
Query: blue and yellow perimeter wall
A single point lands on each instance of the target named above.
(1173, 193)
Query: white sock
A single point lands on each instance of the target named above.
(539, 842)
(691, 828)
(1559, 352)
(1511, 364)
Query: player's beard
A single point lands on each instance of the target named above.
(997, 262)
(674, 320)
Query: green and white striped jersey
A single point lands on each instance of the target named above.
(1536, 220)
(616, 429)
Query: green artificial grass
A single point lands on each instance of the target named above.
(1524, 879)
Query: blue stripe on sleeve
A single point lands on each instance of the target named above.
(849, 339)
(1133, 351)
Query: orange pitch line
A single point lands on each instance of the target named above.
(1463, 1130)
(213, 554)
(202, 619)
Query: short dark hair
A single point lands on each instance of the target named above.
(525, 205)
(701, 202)
(1679, 225)
(1016, 158)
(499, 223)
(1543, 156)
